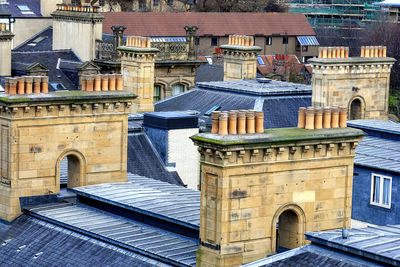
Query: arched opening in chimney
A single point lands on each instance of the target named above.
(287, 231)
(70, 170)
(355, 109)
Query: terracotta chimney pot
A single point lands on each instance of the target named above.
(251, 41)
(7, 85)
(301, 121)
(89, 83)
(343, 117)
(335, 117)
(380, 48)
(44, 88)
(338, 52)
(384, 51)
(223, 123)
(326, 120)
(362, 51)
(250, 123)
(148, 42)
(215, 121)
(320, 52)
(310, 118)
(318, 118)
(342, 52)
(13, 86)
(329, 55)
(246, 41)
(259, 122)
(376, 51)
(28, 84)
(37, 80)
(104, 82)
(230, 39)
(346, 52)
(232, 122)
(111, 84)
(21, 85)
(83, 82)
(334, 52)
(119, 82)
(241, 122)
(366, 52)
(97, 82)
(324, 52)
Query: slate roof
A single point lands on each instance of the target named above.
(375, 243)
(378, 153)
(42, 41)
(380, 149)
(31, 242)
(209, 73)
(313, 255)
(33, 5)
(376, 125)
(49, 59)
(144, 160)
(217, 24)
(5, 10)
(279, 100)
(171, 202)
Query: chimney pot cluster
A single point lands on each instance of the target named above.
(311, 118)
(237, 122)
(373, 51)
(3, 27)
(138, 41)
(241, 40)
(333, 52)
(78, 8)
(27, 85)
(102, 82)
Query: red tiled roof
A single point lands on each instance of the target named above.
(216, 24)
(292, 65)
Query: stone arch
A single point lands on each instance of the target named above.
(76, 168)
(356, 108)
(300, 226)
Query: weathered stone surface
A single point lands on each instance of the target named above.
(249, 181)
(344, 80)
(38, 131)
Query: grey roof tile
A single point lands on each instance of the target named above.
(31, 242)
(377, 125)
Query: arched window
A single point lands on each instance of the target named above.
(178, 89)
(355, 109)
(157, 93)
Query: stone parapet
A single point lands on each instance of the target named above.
(301, 178)
(65, 15)
(352, 65)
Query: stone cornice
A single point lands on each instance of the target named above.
(351, 61)
(276, 137)
(77, 16)
(6, 36)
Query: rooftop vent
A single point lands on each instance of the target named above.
(263, 80)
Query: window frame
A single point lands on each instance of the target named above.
(285, 38)
(268, 40)
(156, 2)
(381, 178)
(212, 39)
(159, 92)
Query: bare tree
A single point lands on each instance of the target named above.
(238, 6)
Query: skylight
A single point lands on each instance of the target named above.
(24, 9)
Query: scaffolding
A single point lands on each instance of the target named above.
(341, 14)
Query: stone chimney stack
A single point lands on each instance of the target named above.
(240, 58)
(264, 190)
(118, 36)
(137, 68)
(5, 49)
(77, 28)
(191, 41)
(361, 84)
